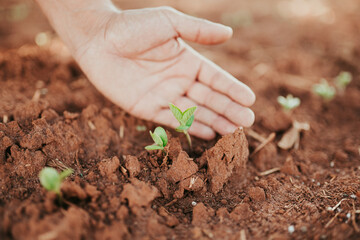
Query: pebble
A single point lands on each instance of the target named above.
(332, 164)
(303, 229)
(353, 196)
(193, 203)
(291, 229)
(348, 215)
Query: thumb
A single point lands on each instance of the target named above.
(196, 29)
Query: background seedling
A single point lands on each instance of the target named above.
(324, 90)
(51, 180)
(185, 119)
(342, 80)
(160, 138)
(289, 102)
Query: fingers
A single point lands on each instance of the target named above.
(197, 129)
(218, 79)
(196, 29)
(221, 105)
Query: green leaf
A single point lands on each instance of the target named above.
(154, 147)
(50, 179)
(178, 114)
(162, 134)
(64, 174)
(187, 115)
(158, 141)
(181, 128)
(190, 121)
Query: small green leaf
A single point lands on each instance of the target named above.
(178, 114)
(50, 179)
(156, 139)
(324, 90)
(64, 174)
(162, 134)
(190, 121)
(187, 115)
(154, 147)
(343, 79)
(290, 102)
(181, 128)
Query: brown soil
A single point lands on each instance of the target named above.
(50, 115)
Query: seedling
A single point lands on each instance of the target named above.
(51, 180)
(185, 119)
(160, 138)
(289, 102)
(324, 90)
(342, 80)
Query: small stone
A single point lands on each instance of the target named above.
(223, 201)
(193, 203)
(332, 164)
(257, 194)
(291, 229)
(303, 229)
(348, 215)
(353, 196)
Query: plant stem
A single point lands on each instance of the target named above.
(188, 138)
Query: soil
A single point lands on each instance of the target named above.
(50, 115)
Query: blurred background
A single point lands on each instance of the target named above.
(22, 20)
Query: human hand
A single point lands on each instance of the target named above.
(138, 59)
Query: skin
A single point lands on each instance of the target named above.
(138, 59)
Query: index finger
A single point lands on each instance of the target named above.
(221, 81)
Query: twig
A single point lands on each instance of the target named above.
(353, 219)
(242, 234)
(121, 131)
(58, 163)
(5, 119)
(270, 171)
(171, 202)
(78, 163)
(269, 139)
(91, 125)
(255, 135)
(338, 204)
(36, 96)
(331, 220)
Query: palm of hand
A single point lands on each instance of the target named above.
(141, 64)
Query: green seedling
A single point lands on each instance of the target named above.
(160, 138)
(140, 128)
(342, 80)
(289, 102)
(51, 180)
(324, 90)
(185, 119)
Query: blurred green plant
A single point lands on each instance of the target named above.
(51, 180)
(289, 102)
(324, 90)
(343, 80)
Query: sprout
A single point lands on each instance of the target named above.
(342, 80)
(289, 102)
(160, 138)
(324, 90)
(51, 180)
(185, 119)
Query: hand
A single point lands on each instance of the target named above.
(138, 59)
